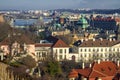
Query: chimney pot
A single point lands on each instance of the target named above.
(98, 61)
(118, 63)
(83, 65)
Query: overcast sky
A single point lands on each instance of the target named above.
(56, 4)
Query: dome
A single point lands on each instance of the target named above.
(82, 20)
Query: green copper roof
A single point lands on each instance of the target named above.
(82, 20)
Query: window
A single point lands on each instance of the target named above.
(85, 55)
(97, 50)
(101, 50)
(93, 50)
(89, 50)
(81, 55)
(43, 54)
(60, 50)
(85, 50)
(110, 49)
(89, 55)
(56, 50)
(106, 49)
(65, 57)
(101, 55)
(113, 49)
(117, 49)
(65, 50)
(60, 56)
(81, 50)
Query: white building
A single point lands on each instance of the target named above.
(98, 49)
(54, 47)
(88, 50)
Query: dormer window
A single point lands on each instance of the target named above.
(109, 68)
(102, 69)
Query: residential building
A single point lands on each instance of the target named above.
(16, 44)
(43, 50)
(98, 49)
(52, 47)
(103, 23)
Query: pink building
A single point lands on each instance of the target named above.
(16, 44)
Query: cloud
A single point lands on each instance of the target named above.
(52, 4)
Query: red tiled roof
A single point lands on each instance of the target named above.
(103, 69)
(107, 68)
(99, 43)
(73, 74)
(85, 72)
(43, 45)
(56, 42)
(103, 19)
(60, 43)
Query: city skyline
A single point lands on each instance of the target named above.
(58, 4)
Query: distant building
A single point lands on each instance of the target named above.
(104, 70)
(1, 19)
(82, 22)
(103, 23)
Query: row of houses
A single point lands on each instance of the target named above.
(83, 50)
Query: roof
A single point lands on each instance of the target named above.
(102, 69)
(56, 42)
(52, 39)
(43, 45)
(103, 19)
(16, 38)
(60, 43)
(73, 73)
(99, 43)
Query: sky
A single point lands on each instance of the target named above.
(58, 4)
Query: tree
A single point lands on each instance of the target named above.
(68, 65)
(53, 68)
(28, 61)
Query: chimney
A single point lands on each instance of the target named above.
(98, 61)
(90, 65)
(93, 39)
(113, 39)
(118, 63)
(107, 59)
(86, 39)
(101, 39)
(110, 39)
(83, 65)
(82, 40)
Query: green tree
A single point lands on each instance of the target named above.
(53, 68)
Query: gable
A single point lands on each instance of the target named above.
(60, 43)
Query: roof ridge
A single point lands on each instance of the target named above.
(100, 72)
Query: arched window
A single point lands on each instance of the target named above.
(73, 57)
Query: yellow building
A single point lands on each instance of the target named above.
(1, 19)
